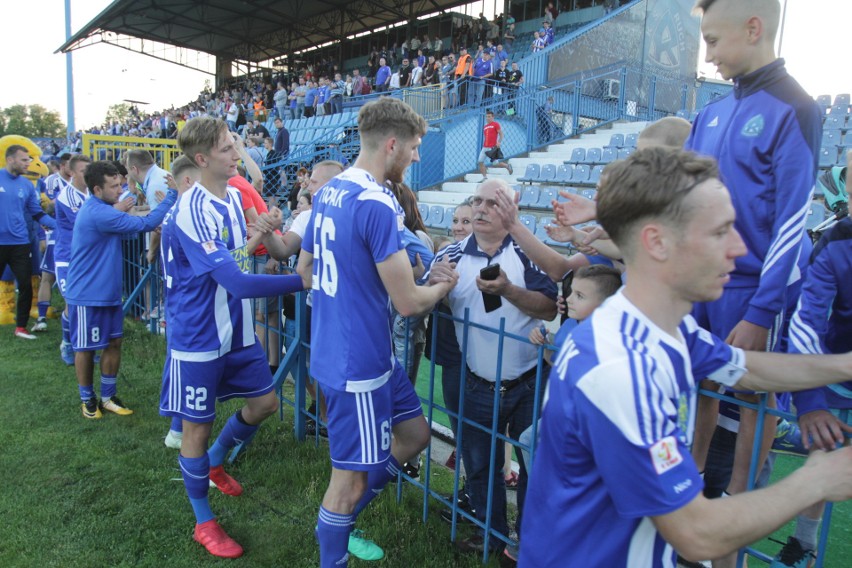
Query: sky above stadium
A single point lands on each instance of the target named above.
(815, 46)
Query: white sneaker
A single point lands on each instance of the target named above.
(173, 439)
(23, 333)
(40, 325)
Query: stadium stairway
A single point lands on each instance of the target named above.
(560, 166)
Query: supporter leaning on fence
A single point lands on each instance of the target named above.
(522, 294)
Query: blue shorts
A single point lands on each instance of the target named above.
(61, 276)
(47, 264)
(360, 423)
(190, 388)
(92, 327)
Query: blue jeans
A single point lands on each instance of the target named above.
(410, 331)
(516, 413)
(300, 110)
(450, 383)
(720, 464)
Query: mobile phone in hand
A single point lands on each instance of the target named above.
(491, 301)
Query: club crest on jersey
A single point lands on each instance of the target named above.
(753, 127)
(225, 234)
(665, 455)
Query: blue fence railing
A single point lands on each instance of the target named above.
(143, 289)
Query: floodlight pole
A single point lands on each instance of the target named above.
(781, 35)
(69, 72)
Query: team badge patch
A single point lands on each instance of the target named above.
(665, 455)
(753, 127)
(209, 247)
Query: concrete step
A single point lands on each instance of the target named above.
(444, 198)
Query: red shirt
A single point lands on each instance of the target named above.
(491, 130)
(251, 198)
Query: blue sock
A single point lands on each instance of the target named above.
(376, 481)
(66, 328)
(333, 534)
(42, 309)
(107, 386)
(234, 432)
(177, 424)
(196, 479)
(86, 392)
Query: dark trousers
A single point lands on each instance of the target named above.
(19, 259)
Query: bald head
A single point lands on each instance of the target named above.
(322, 174)
(738, 12)
(668, 132)
(495, 185)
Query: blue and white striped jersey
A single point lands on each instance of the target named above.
(69, 200)
(614, 439)
(356, 223)
(200, 234)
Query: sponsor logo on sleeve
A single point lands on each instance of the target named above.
(665, 455)
(209, 247)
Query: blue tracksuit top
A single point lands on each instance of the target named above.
(822, 322)
(766, 137)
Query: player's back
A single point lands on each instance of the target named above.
(355, 224)
(198, 235)
(69, 200)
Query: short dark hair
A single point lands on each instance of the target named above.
(182, 164)
(14, 149)
(64, 157)
(607, 280)
(386, 116)
(77, 158)
(120, 167)
(97, 172)
(652, 182)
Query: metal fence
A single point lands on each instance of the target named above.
(104, 147)
(143, 289)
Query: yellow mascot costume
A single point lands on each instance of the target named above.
(36, 171)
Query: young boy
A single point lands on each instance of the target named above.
(764, 134)
(213, 353)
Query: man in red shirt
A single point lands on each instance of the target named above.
(493, 135)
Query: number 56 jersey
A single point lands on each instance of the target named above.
(356, 223)
(200, 234)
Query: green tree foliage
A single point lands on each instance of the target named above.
(118, 113)
(32, 121)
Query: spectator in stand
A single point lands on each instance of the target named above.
(416, 79)
(281, 99)
(550, 13)
(546, 32)
(501, 83)
(537, 42)
(358, 83)
(259, 109)
(281, 148)
(383, 76)
(232, 112)
(254, 151)
(492, 140)
(509, 35)
(438, 47)
(524, 295)
(483, 73)
(463, 70)
(257, 129)
(301, 96)
(336, 92)
(404, 74)
(413, 45)
(432, 72)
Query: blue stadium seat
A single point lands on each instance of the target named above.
(581, 174)
(531, 174)
(608, 155)
(623, 153)
(615, 141)
(448, 217)
(573, 190)
(424, 212)
(547, 195)
(839, 110)
(833, 123)
(541, 234)
(593, 156)
(546, 220)
(827, 157)
(436, 215)
(529, 196)
(564, 174)
(830, 136)
(842, 99)
(816, 215)
(529, 222)
(595, 176)
(548, 174)
(824, 101)
(589, 193)
(630, 140)
(578, 155)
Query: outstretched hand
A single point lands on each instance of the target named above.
(575, 209)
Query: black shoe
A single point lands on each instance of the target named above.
(412, 470)
(462, 504)
(311, 429)
(476, 544)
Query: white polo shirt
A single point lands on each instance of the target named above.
(482, 346)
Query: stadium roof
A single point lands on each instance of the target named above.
(249, 30)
